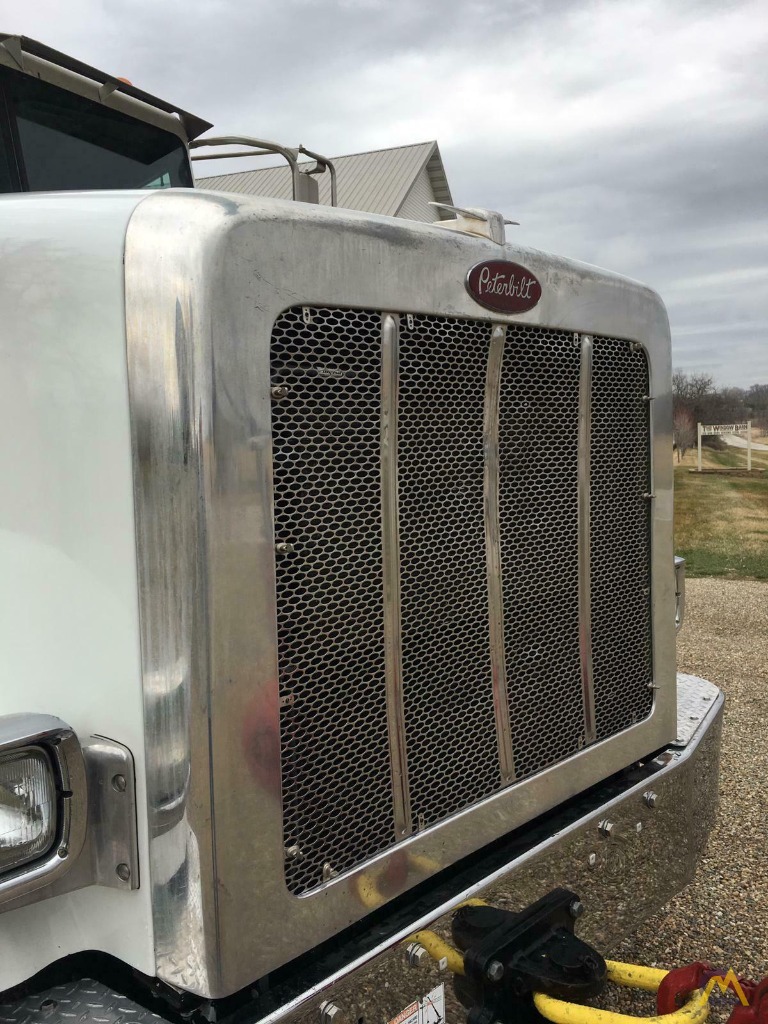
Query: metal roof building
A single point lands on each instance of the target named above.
(398, 182)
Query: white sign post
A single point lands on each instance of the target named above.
(698, 441)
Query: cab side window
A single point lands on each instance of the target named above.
(65, 142)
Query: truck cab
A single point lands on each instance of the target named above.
(338, 592)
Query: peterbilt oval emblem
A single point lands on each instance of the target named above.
(503, 286)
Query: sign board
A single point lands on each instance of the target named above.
(724, 428)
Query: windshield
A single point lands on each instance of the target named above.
(62, 141)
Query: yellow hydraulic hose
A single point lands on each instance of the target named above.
(648, 979)
(635, 976)
(695, 1011)
(439, 949)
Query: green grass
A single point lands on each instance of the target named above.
(721, 522)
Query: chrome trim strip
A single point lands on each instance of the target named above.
(679, 592)
(390, 541)
(493, 553)
(585, 596)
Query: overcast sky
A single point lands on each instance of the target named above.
(627, 133)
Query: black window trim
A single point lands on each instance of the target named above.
(10, 139)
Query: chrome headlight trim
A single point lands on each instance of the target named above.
(61, 745)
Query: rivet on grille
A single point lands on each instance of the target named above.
(284, 547)
(279, 391)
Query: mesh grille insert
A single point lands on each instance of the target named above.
(447, 683)
(335, 746)
(620, 519)
(337, 805)
(539, 521)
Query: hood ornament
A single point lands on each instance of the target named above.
(473, 220)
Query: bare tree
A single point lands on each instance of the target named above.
(683, 431)
(694, 392)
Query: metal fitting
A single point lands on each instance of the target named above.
(119, 783)
(592, 860)
(328, 1012)
(495, 971)
(416, 955)
(279, 391)
(605, 827)
(576, 909)
(651, 798)
(123, 872)
(284, 547)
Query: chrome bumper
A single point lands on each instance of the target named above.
(611, 846)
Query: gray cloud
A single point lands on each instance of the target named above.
(623, 134)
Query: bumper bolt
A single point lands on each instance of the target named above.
(123, 872)
(495, 971)
(651, 798)
(576, 909)
(328, 1012)
(416, 955)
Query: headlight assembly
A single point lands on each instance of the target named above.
(43, 802)
(28, 812)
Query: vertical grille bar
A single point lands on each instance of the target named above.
(584, 483)
(390, 530)
(493, 553)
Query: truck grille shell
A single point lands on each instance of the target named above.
(336, 715)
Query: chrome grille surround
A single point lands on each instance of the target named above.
(206, 278)
(332, 457)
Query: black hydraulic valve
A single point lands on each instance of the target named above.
(509, 956)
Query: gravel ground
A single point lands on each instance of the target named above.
(723, 914)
